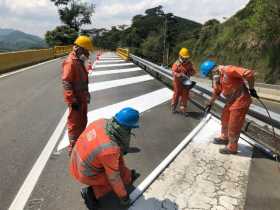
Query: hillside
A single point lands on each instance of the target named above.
(13, 40)
(251, 38)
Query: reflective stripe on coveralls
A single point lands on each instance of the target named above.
(97, 161)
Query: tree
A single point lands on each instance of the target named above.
(74, 13)
(61, 35)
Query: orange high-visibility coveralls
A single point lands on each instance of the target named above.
(97, 161)
(232, 88)
(181, 93)
(75, 85)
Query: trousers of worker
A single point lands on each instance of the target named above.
(180, 94)
(77, 121)
(232, 123)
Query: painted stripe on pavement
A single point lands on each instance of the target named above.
(34, 174)
(113, 65)
(110, 61)
(117, 71)
(117, 83)
(141, 103)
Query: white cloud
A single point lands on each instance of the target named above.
(37, 16)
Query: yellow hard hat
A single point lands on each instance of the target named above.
(84, 42)
(184, 53)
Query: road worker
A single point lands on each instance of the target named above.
(181, 70)
(229, 82)
(97, 159)
(75, 85)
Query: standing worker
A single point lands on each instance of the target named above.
(97, 159)
(181, 69)
(75, 85)
(229, 83)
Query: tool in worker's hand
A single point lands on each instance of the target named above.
(187, 83)
(207, 109)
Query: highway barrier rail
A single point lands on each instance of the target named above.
(123, 53)
(258, 122)
(14, 60)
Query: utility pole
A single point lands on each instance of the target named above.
(164, 40)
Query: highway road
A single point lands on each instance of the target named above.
(32, 108)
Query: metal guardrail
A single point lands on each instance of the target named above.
(123, 53)
(256, 113)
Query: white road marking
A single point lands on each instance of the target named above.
(28, 68)
(110, 61)
(34, 174)
(116, 71)
(117, 83)
(113, 65)
(141, 103)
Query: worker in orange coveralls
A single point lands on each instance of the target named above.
(75, 85)
(229, 83)
(97, 159)
(181, 69)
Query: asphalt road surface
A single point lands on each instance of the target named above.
(32, 107)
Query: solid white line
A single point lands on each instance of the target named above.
(116, 71)
(141, 103)
(33, 176)
(108, 61)
(27, 68)
(150, 178)
(117, 83)
(113, 65)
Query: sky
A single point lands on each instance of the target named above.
(38, 16)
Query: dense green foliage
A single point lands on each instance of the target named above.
(251, 38)
(74, 14)
(153, 35)
(13, 40)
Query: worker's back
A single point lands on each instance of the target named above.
(91, 147)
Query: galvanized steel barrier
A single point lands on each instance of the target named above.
(13, 60)
(123, 53)
(256, 114)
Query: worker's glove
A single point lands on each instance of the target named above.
(125, 201)
(253, 93)
(75, 106)
(208, 108)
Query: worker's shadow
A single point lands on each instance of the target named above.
(111, 202)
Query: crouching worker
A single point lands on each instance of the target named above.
(229, 83)
(97, 158)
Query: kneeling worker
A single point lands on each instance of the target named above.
(97, 158)
(229, 83)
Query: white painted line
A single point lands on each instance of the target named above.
(113, 65)
(141, 103)
(116, 71)
(152, 176)
(33, 176)
(27, 68)
(110, 61)
(117, 83)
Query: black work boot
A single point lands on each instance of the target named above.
(89, 198)
(173, 108)
(220, 141)
(226, 151)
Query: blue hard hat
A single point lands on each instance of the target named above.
(128, 117)
(206, 67)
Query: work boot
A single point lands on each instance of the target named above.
(220, 141)
(183, 111)
(89, 198)
(173, 108)
(134, 175)
(231, 148)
